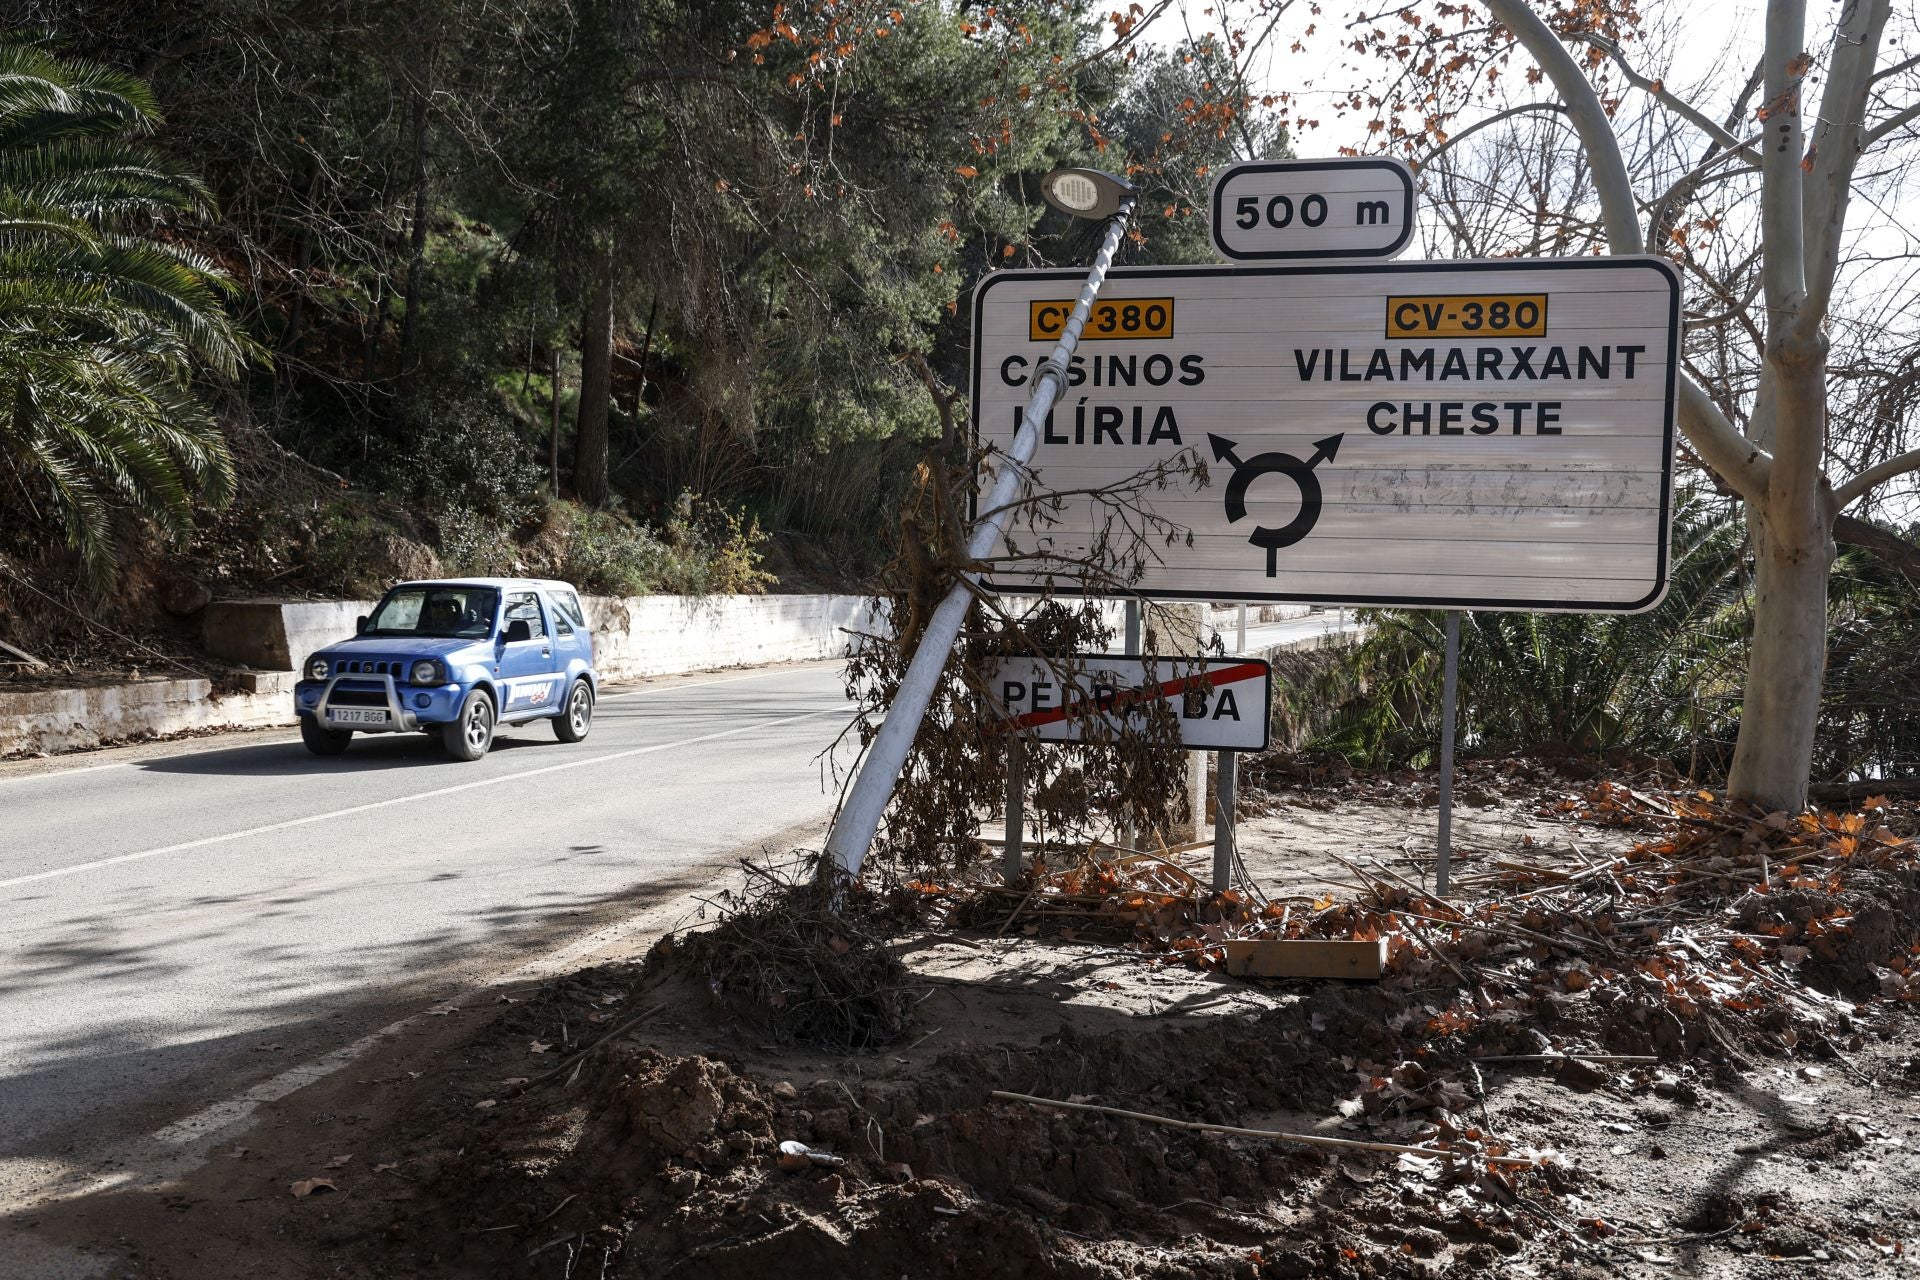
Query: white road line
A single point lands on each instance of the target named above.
(182, 755)
(418, 795)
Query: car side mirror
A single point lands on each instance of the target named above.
(517, 630)
(360, 624)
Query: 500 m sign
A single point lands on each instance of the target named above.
(1486, 435)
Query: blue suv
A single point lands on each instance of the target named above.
(458, 659)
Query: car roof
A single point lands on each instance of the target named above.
(498, 584)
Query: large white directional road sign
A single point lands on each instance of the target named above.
(1483, 435)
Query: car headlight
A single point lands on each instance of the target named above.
(426, 671)
(317, 669)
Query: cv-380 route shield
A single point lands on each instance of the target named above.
(1481, 435)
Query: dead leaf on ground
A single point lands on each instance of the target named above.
(339, 1162)
(538, 1046)
(301, 1190)
(382, 1168)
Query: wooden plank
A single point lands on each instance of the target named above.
(1306, 958)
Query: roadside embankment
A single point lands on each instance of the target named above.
(266, 641)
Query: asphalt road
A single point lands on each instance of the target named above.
(181, 921)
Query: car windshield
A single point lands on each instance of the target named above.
(442, 612)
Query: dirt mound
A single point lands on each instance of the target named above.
(1847, 936)
(650, 1164)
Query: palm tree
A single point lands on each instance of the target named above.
(104, 324)
(1662, 683)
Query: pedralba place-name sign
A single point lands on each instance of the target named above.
(1486, 435)
(1219, 704)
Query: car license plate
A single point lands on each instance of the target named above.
(356, 715)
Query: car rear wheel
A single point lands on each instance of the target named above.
(471, 732)
(321, 740)
(576, 718)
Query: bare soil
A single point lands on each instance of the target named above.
(627, 1120)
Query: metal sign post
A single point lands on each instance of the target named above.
(1227, 775)
(1130, 611)
(1449, 687)
(1013, 854)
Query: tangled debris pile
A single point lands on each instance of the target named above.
(799, 958)
(1719, 920)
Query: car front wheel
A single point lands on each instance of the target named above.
(471, 732)
(576, 718)
(321, 740)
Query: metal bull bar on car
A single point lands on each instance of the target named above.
(400, 717)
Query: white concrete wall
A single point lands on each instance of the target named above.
(276, 635)
(48, 720)
(665, 635)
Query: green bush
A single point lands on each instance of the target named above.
(717, 550)
(606, 553)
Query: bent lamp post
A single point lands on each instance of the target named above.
(1079, 193)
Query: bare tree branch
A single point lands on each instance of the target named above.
(1892, 549)
(1497, 118)
(1858, 487)
(1880, 131)
(1610, 180)
(1781, 226)
(1741, 463)
(1685, 110)
(1836, 149)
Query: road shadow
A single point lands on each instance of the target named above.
(127, 1076)
(369, 753)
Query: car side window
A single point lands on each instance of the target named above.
(567, 605)
(524, 606)
(561, 627)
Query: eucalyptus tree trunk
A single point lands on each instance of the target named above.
(1778, 464)
(596, 386)
(1790, 528)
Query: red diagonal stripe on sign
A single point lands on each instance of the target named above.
(1171, 689)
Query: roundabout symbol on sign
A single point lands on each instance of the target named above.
(1260, 464)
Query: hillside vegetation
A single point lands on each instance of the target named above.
(649, 295)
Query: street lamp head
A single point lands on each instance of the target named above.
(1085, 193)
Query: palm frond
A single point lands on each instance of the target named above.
(105, 331)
